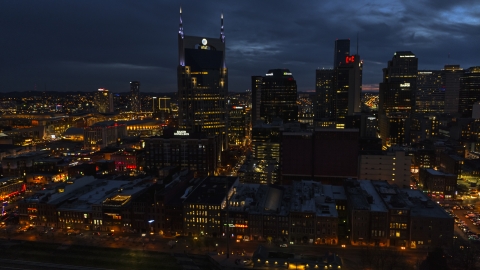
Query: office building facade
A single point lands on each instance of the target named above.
(469, 91)
(451, 77)
(430, 93)
(179, 148)
(256, 98)
(279, 96)
(135, 104)
(324, 90)
(103, 101)
(397, 98)
(202, 84)
(338, 89)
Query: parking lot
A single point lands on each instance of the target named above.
(467, 221)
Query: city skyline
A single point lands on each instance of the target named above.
(81, 46)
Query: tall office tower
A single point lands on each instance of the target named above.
(430, 94)
(338, 89)
(469, 91)
(279, 96)
(397, 98)
(103, 101)
(451, 77)
(236, 124)
(202, 84)
(256, 98)
(342, 49)
(324, 90)
(135, 96)
(347, 81)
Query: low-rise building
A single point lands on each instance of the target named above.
(383, 214)
(438, 184)
(391, 166)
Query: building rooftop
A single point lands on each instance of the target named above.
(439, 173)
(211, 190)
(106, 192)
(376, 204)
(422, 206)
(313, 197)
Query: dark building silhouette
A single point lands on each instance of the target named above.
(338, 89)
(256, 98)
(181, 149)
(451, 77)
(202, 84)
(135, 103)
(325, 154)
(324, 90)
(279, 96)
(469, 91)
(342, 49)
(430, 93)
(348, 86)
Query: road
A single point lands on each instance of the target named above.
(352, 255)
(18, 264)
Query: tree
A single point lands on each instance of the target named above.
(436, 259)
(466, 257)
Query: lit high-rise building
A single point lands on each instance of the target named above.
(397, 98)
(324, 102)
(469, 91)
(279, 96)
(202, 84)
(347, 81)
(430, 93)
(135, 103)
(103, 101)
(236, 124)
(338, 89)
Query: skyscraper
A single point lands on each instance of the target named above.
(135, 96)
(324, 90)
(347, 81)
(430, 93)
(202, 84)
(256, 98)
(397, 98)
(451, 78)
(103, 101)
(342, 49)
(469, 91)
(338, 89)
(279, 96)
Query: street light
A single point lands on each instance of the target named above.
(150, 222)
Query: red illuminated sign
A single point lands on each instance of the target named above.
(349, 59)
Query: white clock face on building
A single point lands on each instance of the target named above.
(204, 41)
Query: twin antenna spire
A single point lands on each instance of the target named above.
(180, 28)
(222, 33)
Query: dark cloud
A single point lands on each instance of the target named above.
(83, 45)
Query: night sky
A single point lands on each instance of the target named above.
(84, 45)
